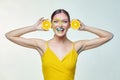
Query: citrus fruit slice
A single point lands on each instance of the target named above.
(46, 24)
(75, 24)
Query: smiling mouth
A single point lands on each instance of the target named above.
(60, 29)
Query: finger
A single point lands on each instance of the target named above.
(41, 19)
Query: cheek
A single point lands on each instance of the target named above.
(67, 26)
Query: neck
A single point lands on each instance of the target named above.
(62, 39)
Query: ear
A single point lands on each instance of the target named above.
(51, 25)
(69, 24)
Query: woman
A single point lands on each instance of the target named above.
(59, 54)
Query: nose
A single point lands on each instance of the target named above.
(60, 24)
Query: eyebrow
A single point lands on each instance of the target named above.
(60, 19)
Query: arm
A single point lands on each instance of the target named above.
(103, 37)
(15, 35)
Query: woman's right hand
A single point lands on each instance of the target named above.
(38, 24)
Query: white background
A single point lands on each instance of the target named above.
(20, 63)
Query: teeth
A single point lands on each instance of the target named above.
(60, 29)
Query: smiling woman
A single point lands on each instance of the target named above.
(59, 54)
(60, 24)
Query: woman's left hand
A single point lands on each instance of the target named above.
(82, 25)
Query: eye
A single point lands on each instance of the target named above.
(65, 21)
(55, 21)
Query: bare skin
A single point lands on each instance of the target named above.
(59, 43)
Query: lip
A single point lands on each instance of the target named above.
(60, 29)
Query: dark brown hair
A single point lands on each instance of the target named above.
(60, 11)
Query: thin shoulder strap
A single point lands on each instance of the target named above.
(46, 43)
(73, 45)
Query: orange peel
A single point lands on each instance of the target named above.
(46, 24)
(75, 24)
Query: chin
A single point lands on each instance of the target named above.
(60, 34)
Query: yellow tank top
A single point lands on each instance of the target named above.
(55, 69)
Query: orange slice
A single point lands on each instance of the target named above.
(75, 24)
(46, 24)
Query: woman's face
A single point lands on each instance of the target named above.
(60, 24)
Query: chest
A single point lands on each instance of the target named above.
(51, 58)
(60, 51)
